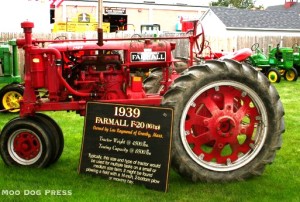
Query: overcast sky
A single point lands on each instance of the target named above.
(267, 3)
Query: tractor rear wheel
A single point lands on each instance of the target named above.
(291, 74)
(26, 142)
(10, 96)
(152, 83)
(274, 75)
(228, 122)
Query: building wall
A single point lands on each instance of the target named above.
(169, 18)
(134, 17)
(38, 11)
(212, 25)
(165, 15)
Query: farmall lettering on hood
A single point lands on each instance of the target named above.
(148, 55)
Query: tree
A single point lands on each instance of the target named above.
(235, 3)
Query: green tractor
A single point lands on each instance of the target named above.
(296, 55)
(11, 91)
(278, 63)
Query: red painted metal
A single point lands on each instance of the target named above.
(73, 72)
(26, 145)
(221, 124)
(289, 3)
(239, 55)
(56, 3)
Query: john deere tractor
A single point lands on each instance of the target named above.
(11, 91)
(279, 62)
(296, 54)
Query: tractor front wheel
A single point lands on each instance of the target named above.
(228, 122)
(291, 74)
(274, 75)
(57, 137)
(26, 142)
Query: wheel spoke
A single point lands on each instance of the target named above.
(199, 140)
(11, 100)
(194, 119)
(215, 154)
(210, 105)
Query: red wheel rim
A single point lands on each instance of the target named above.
(24, 147)
(222, 125)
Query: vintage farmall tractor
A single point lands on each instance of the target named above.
(278, 62)
(228, 118)
(11, 90)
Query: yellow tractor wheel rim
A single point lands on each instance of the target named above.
(11, 100)
(272, 76)
(290, 75)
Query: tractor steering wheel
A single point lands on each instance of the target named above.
(62, 37)
(295, 47)
(255, 46)
(199, 38)
(206, 44)
(135, 37)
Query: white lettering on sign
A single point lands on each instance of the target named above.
(148, 56)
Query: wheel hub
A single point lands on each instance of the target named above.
(26, 146)
(225, 126)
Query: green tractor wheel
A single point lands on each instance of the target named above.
(274, 75)
(291, 74)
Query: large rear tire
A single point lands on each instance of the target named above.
(152, 84)
(228, 122)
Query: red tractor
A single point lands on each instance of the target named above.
(228, 118)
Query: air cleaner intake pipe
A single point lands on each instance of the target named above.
(100, 19)
(27, 27)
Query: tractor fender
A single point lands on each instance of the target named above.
(239, 55)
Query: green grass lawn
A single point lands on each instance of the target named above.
(280, 181)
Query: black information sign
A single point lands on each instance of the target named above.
(114, 10)
(127, 143)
